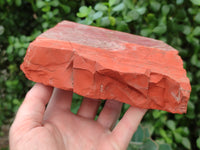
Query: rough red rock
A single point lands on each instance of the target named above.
(105, 64)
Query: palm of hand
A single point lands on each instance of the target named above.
(57, 128)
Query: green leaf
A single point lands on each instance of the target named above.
(160, 29)
(21, 52)
(198, 142)
(47, 9)
(196, 2)
(18, 2)
(189, 75)
(112, 20)
(164, 147)
(192, 40)
(133, 15)
(190, 114)
(165, 9)
(105, 21)
(98, 15)
(196, 31)
(1, 29)
(193, 11)
(55, 3)
(163, 133)
(101, 7)
(12, 83)
(197, 18)
(186, 143)
(129, 4)
(186, 29)
(45, 25)
(185, 131)
(111, 2)
(135, 145)
(181, 14)
(122, 26)
(119, 7)
(16, 102)
(77, 97)
(191, 105)
(88, 21)
(156, 114)
(9, 50)
(76, 102)
(146, 132)
(66, 8)
(197, 75)
(40, 4)
(149, 145)
(141, 10)
(195, 61)
(164, 39)
(155, 6)
(12, 68)
(146, 32)
(177, 137)
(138, 135)
(1, 5)
(83, 11)
(171, 125)
(179, 2)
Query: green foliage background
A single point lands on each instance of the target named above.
(176, 22)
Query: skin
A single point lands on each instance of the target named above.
(55, 127)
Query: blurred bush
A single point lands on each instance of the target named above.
(175, 22)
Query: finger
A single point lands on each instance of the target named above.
(127, 126)
(110, 113)
(32, 110)
(60, 101)
(89, 108)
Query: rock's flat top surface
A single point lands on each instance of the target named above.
(105, 64)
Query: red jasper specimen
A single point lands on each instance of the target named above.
(105, 64)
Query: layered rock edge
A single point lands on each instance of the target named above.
(104, 64)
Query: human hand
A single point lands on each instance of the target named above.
(55, 127)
